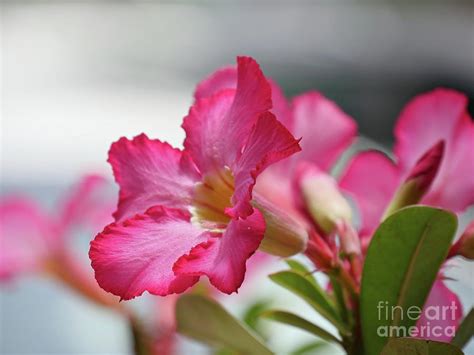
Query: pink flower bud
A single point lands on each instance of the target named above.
(350, 242)
(419, 180)
(319, 252)
(285, 233)
(322, 198)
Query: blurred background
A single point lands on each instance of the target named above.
(77, 75)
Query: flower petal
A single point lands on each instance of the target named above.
(226, 78)
(223, 259)
(26, 237)
(371, 179)
(268, 143)
(149, 173)
(325, 129)
(444, 316)
(88, 204)
(137, 255)
(216, 127)
(440, 115)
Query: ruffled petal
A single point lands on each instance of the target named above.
(440, 115)
(223, 259)
(89, 205)
(371, 180)
(137, 255)
(216, 127)
(26, 237)
(149, 173)
(325, 129)
(268, 143)
(441, 314)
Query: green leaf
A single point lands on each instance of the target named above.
(465, 330)
(411, 346)
(314, 296)
(203, 319)
(402, 262)
(297, 321)
(300, 268)
(310, 348)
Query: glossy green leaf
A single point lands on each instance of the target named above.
(314, 296)
(402, 262)
(297, 321)
(205, 320)
(411, 346)
(465, 330)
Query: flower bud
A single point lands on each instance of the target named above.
(419, 180)
(350, 242)
(322, 198)
(285, 233)
(465, 245)
(319, 252)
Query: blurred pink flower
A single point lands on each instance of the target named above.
(183, 214)
(33, 241)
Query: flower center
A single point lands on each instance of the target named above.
(211, 197)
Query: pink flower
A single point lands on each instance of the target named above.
(33, 241)
(30, 238)
(183, 214)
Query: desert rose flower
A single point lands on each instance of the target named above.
(187, 213)
(36, 242)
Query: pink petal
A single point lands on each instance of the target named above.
(88, 204)
(26, 237)
(440, 115)
(217, 126)
(268, 143)
(223, 259)
(439, 297)
(149, 173)
(224, 78)
(325, 129)
(371, 180)
(137, 255)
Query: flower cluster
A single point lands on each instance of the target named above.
(256, 174)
